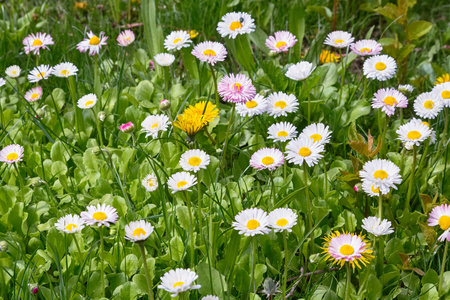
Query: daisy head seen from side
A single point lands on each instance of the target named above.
(65, 70)
(282, 41)
(39, 73)
(376, 226)
(137, 231)
(181, 181)
(280, 104)
(366, 47)
(282, 219)
(253, 107)
(339, 39)
(178, 281)
(210, 52)
(164, 59)
(251, 221)
(101, 215)
(154, 124)
(413, 132)
(125, 38)
(317, 132)
(70, 224)
(300, 71)
(13, 71)
(33, 94)
(282, 132)
(87, 101)
(177, 40)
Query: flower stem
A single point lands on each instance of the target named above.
(102, 271)
(254, 249)
(443, 135)
(191, 230)
(20, 181)
(349, 281)
(326, 177)
(308, 208)
(441, 276)
(380, 205)
(343, 75)
(272, 203)
(215, 85)
(228, 132)
(309, 102)
(286, 261)
(411, 178)
(78, 248)
(147, 275)
(99, 130)
(200, 214)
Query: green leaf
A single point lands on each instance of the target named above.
(177, 246)
(404, 52)
(144, 91)
(183, 217)
(429, 292)
(130, 264)
(363, 108)
(213, 284)
(141, 283)
(297, 25)
(374, 288)
(446, 283)
(322, 10)
(417, 29)
(58, 152)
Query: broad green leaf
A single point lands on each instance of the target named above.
(417, 29)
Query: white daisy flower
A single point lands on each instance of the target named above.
(383, 173)
(87, 101)
(413, 132)
(210, 52)
(432, 135)
(235, 23)
(150, 182)
(428, 106)
(405, 88)
(154, 124)
(251, 222)
(302, 150)
(376, 226)
(282, 41)
(39, 73)
(177, 40)
(254, 107)
(442, 92)
(267, 158)
(2, 82)
(194, 160)
(100, 215)
(181, 181)
(300, 71)
(11, 154)
(318, 132)
(164, 59)
(125, 38)
(210, 297)
(380, 67)
(136, 231)
(35, 42)
(370, 189)
(65, 69)
(280, 104)
(366, 47)
(178, 281)
(69, 224)
(440, 215)
(339, 39)
(93, 43)
(282, 131)
(388, 100)
(13, 71)
(33, 94)
(282, 219)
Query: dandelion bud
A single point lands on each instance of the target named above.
(3, 246)
(101, 116)
(164, 105)
(127, 127)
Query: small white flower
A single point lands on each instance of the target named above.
(69, 224)
(428, 106)
(210, 297)
(178, 281)
(339, 39)
(371, 189)
(181, 181)
(39, 73)
(210, 52)
(282, 41)
(150, 182)
(376, 226)
(164, 59)
(65, 70)
(280, 104)
(300, 71)
(235, 23)
(380, 67)
(405, 88)
(267, 158)
(35, 42)
(2, 82)
(100, 215)
(442, 92)
(251, 222)
(11, 154)
(154, 124)
(93, 43)
(125, 38)
(303, 149)
(366, 47)
(194, 160)
(177, 40)
(388, 100)
(382, 173)
(13, 71)
(87, 101)
(282, 131)
(282, 219)
(33, 94)
(414, 132)
(318, 132)
(254, 107)
(138, 230)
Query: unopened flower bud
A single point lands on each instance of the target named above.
(357, 187)
(40, 113)
(272, 53)
(409, 146)
(164, 105)
(4, 246)
(127, 127)
(101, 116)
(112, 231)
(97, 151)
(33, 288)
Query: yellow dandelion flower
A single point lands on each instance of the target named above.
(193, 33)
(444, 78)
(195, 117)
(347, 247)
(328, 56)
(80, 5)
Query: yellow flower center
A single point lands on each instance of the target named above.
(181, 183)
(365, 50)
(176, 41)
(150, 182)
(282, 222)
(14, 72)
(347, 250)
(34, 95)
(194, 161)
(251, 104)
(380, 66)
(426, 124)
(380, 174)
(280, 104)
(88, 103)
(428, 104)
(94, 40)
(316, 137)
(444, 222)
(280, 44)
(282, 133)
(375, 190)
(390, 100)
(99, 216)
(267, 160)
(209, 52)
(70, 227)
(339, 41)
(304, 151)
(41, 74)
(37, 42)
(235, 25)
(12, 156)
(237, 87)
(138, 232)
(64, 72)
(445, 94)
(252, 224)
(179, 283)
(155, 125)
(413, 135)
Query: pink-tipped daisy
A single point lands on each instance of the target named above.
(11, 154)
(339, 39)
(267, 158)
(93, 43)
(366, 47)
(388, 100)
(282, 41)
(127, 127)
(440, 215)
(100, 215)
(35, 42)
(236, 88)
(33, 94)
(125, 38)
(210, 52)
